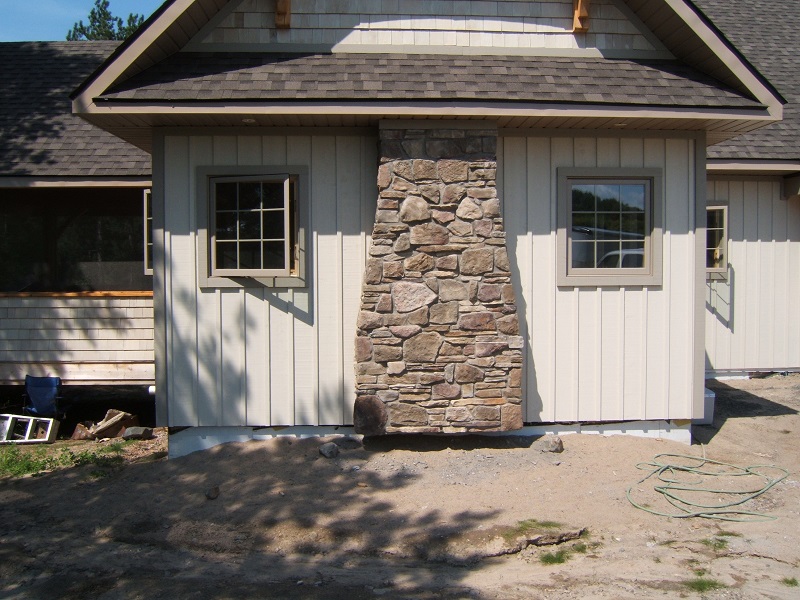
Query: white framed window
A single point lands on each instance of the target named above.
(148, 232)
(609, 230)
(716, 240)
(251, 228)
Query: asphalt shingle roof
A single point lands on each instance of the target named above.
(252, 77)
(767, 33)
(39, 135)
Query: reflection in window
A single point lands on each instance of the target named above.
(72, 240)
(609, 224)
(716, 238)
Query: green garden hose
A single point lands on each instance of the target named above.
(684, 480)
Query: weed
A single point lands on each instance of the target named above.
(554, 558)
(700, 572)
(790, 581)
(527, 526)
(16, 462)
(657, 559)
(580, 548)
(728, 534)
(716, 543)
(703, 585)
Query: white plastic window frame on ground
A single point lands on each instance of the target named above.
(650, 273)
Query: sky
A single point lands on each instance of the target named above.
(44, 20)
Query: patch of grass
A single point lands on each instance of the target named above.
(700, 572)
(17, 462)
(790, 581)
(728, 534)
(703, 585)
(554, 558)
(580, 548)
(528, 526)
(716, 543)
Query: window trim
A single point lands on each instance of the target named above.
(648, 275)
(147, 199)
(717, 273)
(208, 277)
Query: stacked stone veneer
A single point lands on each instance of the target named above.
(438, 348)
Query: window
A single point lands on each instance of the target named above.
(148, 232)
(251, 227)
(68, 240)
(717, 240)
(609, 227)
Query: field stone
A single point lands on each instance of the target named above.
(423, 347)
(329, 450)
(409, 296)
(414, 208)
(137, 433)
(552, 443)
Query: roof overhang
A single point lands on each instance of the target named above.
(73, 182)
(780, 168)
(173, 25)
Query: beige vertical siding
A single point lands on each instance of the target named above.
(603, 353)
(268, 356)
(751, 317)
(82, 340)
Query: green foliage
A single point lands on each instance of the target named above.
(16, 462)
(580, 548)
(716, 543)
(790, 581)
(554, 558)
(527, 526)
(103, 25)
(703, 585)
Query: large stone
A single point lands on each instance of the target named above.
(396, 367)
(374, 271)
(403, 243)
(369, 320)
(446, 312)
(483, 349)
(448, 391)
(409, 296)
(469, 210)
(382, 353)
(393, 269)
(491, 207)
(421, 348)
(489, 292)
(453, 171)
(369, 416)
(429, 234)
(363, 349)
(501, 260)
(479, 321)
(442, 216)
(458, 414)
(384, 304)
(405, 331)
(424, 169)
(401, 414)
(486, 413)
(468, 374)
(447, 263)
(450, 289)
(453, 194)
(418, 317)
(414, 208)
(508, 324)
(420, 263)
(477, 261)
(510, 417)
(460, 228)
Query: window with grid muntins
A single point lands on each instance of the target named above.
(253, 224)
(716, 239)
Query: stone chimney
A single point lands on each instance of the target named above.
(438, 348)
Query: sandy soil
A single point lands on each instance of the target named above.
(409, 518)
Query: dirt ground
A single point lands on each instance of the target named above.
(413, 518)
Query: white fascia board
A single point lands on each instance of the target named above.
(433, 109)
(767, 167)
(121, 63)
(728, 57)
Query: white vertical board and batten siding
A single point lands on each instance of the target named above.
(268, 356)
(751, 317)
(602, 353)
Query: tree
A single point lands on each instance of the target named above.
(103, 25)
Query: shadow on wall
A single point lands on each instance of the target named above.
(284, 520)
(719, 298)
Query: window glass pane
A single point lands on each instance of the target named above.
(226, 255)
(249, 255)
(583, 255)
(633, 225)
(226, 225)
(608, 224)
(715, 259)
(273, 194)
(633, 197)
(226, 196)
(715, 218)
(583, 198)
(274, 255)
(714, 238)
(607, 197)
(583, 226)
(249, 195)
(273, 225)
(250, 225)
(608, 254)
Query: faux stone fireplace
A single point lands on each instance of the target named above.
(438, 348)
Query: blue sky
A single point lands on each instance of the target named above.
(22, 20)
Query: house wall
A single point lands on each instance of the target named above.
(465, 24)
(266, 356)
(751, 317)
(270, 356)
(82, 340)
(605, 353)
